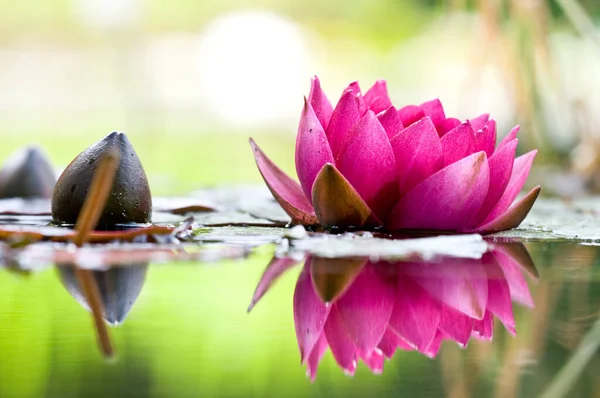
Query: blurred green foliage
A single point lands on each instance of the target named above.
(175, 163)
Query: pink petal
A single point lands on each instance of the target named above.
(447, 125)
(485, 139)
(513, 217)
(310, 314)
(377, 99)
(520, 171)
(390, 121)
(484, 329)
(286, 191)
(447, 200)
(458, 143)
(375, 361)
(315, 356)
(519, 290)
(456, 325)
(410, 114)
(501, 166)
(390, 342)
(509, 137)
(499, 301)
(342, 348)
(344, 116)
(367, 161)
(312, 149)
(416, 315)
(434, 110)
(360, 101)
(276, 268)
(418, 153)
(319, 102)
(479, 121)
(366, 308)
(434, 347)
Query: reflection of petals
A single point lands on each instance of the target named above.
(484, 329)
(315, 356)
(387, 306)
(375, 361)
(499, 302)
(366, 308)
(274, 270)
(461, 284)
(435, 345)
(342, 348)
(310, 314)
(416, 315)
(456, 325)
(390, 342)
(519, 291)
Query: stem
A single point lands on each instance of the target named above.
(91, 211)
(97, 196)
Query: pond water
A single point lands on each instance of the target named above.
(525, 301)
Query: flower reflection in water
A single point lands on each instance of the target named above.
(367, 310)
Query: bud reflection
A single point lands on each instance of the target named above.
(119, 288)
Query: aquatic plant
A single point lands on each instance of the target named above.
(366, 164)
(27, 173)
(129, 199)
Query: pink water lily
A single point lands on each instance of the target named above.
(366, 164)
(363, 310)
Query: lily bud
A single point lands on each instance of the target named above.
(27, 173)
(129, 200)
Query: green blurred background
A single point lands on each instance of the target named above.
(191, 81)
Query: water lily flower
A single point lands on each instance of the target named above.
(365, 310)
(366, 164)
